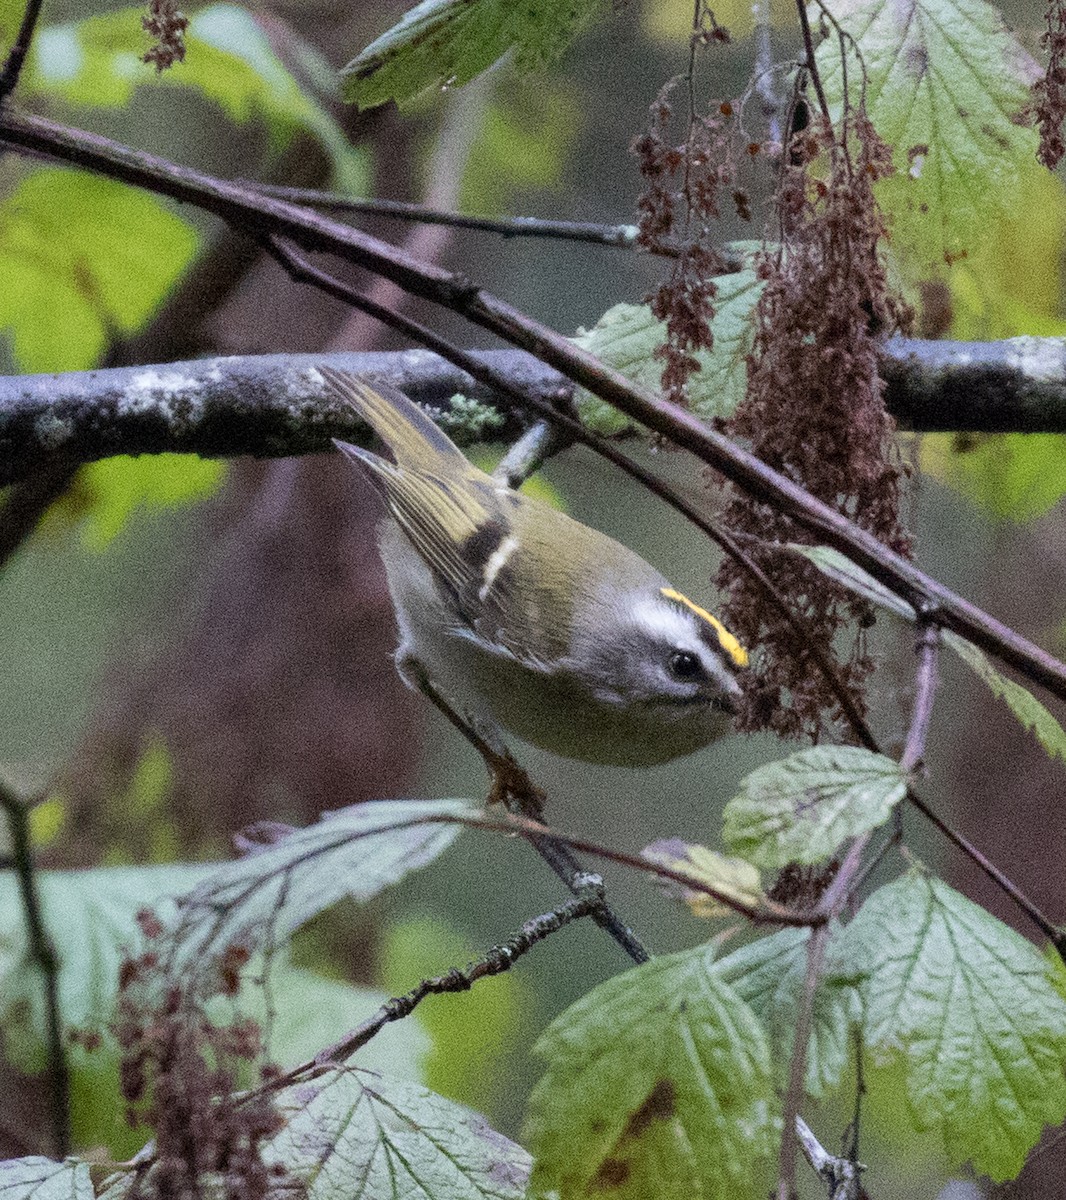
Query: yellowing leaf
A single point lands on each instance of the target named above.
(946, 84)
(733, 877)
(81, 258)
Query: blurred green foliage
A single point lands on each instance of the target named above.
(475, 1039)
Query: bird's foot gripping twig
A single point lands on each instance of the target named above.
(512, 787)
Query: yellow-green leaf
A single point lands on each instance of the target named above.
(1022, 703)
(945, 85)
(732, 877)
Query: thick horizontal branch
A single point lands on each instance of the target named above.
(1013, 386)
(268, 406)
(262, 217)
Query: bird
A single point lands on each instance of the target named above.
(525, 620)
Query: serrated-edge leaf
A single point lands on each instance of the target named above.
(355, 1132)
(1023, 704)
(91, 918)
(627, 336)
(842, 570)
(657, 1082)
(945, 85)
(768, 974)
(802, 808)
(257, 901)
(971, 1009)
(36, 1178)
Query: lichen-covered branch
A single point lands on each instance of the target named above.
(268, 407)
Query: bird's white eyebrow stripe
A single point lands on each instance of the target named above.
(496, 563)
(672, 624)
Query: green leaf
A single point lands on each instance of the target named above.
(353, 1132)
(970, 1008)
(657, 1084)
(91, 918)
(627, 336)
(112, 490)
(83, 258)
(1022, 703)
(945, 85)
(291, 875)
(732, 877)
(1015, 476)
(445, 43)
(802, 808)
(229, 60)
(768, 974)
(36, 1178)
(843, 571)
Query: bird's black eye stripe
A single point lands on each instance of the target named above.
(685, 665)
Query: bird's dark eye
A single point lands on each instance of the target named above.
(685, 665)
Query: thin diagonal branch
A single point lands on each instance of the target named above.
(16, 57)
(261, 215)
(498, 959)
(42, 955)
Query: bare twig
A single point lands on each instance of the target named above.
(499, 959)
(43, 955)
(840, 1175)
(810, 64)
(786, 1169)
(16, 57)
(928, 651)
(595, 232)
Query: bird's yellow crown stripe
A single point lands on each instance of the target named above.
(727, 641)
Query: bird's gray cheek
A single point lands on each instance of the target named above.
(608, 696)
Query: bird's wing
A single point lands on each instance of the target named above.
(412, 438)
(456, 528)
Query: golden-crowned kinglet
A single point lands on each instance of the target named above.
(527, 618)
